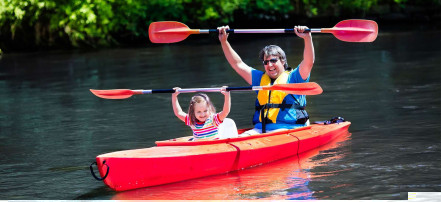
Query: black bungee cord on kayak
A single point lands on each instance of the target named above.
(335, 119)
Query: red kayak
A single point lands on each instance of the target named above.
(179, 159)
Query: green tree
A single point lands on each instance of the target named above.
(96, 23)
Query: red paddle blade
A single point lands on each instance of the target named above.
(113, 94)
(355, 30)
(309, 88)
(169, 32)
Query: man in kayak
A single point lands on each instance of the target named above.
(275, 110)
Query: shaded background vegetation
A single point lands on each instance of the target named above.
(48, 24)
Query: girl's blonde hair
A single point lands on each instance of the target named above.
(198, 98)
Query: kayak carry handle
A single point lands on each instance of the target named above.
(93, 173)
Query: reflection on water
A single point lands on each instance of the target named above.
(52, 127)
(285, 179)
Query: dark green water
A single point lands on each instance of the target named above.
(52, 127)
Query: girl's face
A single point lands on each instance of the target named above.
(201, 111)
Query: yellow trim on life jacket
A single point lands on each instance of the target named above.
(276, 96)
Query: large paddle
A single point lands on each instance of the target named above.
(346, 30)
(309, 88)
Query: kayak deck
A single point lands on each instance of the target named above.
(178, 159)
(183, 141)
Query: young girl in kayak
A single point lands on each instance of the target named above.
(203, 119)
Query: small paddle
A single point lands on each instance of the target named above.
(346, 30)
(309, 88)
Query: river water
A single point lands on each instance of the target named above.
(52, 127)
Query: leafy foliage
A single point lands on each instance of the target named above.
(93, 23)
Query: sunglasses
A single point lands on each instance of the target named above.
(274, 60)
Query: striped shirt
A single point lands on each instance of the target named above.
(207, 130)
